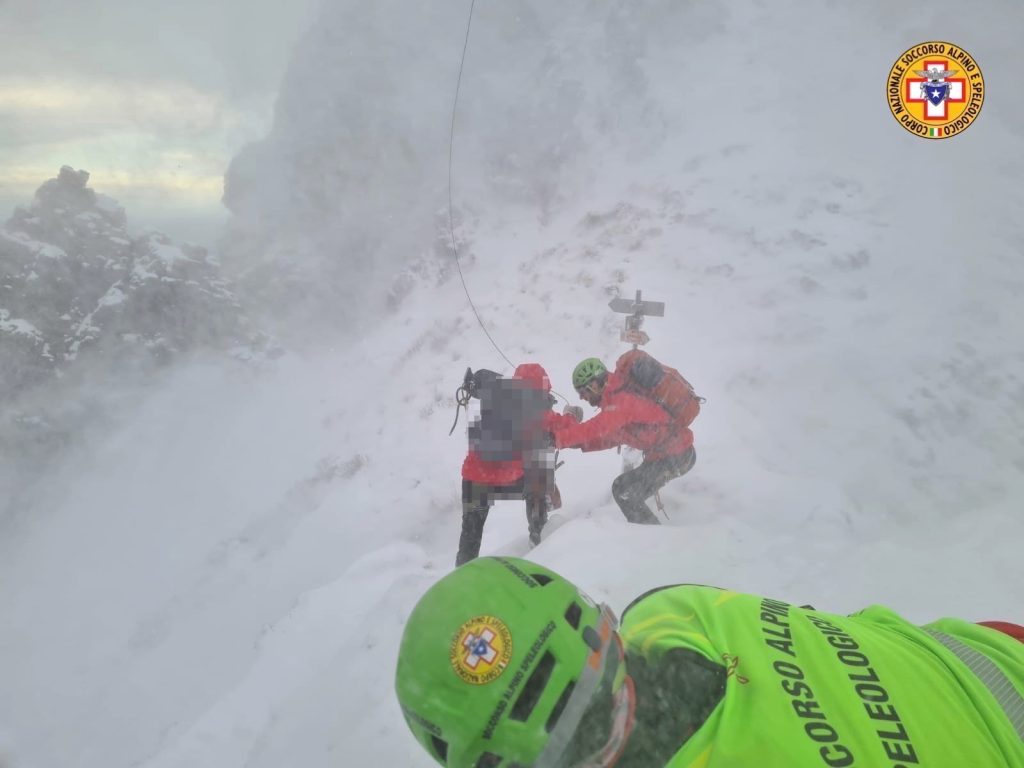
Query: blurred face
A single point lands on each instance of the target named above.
(592, 392)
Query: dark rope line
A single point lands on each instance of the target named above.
(451, 220)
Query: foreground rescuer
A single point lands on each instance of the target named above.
(505, 664)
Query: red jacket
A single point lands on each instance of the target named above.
(510, 472)
(627, 419)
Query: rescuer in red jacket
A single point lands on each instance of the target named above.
(652, 419)
(510, 454)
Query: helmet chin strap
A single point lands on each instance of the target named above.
(581, 696)
(592, 393)
(623, 720)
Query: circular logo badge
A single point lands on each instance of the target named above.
(935, 90)
(481, 649)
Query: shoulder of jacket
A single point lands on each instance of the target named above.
(637, 600)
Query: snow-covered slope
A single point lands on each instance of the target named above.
(224, 582)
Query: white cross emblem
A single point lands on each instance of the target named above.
(480, 648)
(917, 89)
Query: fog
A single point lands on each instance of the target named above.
(228, 470)
(151, 98)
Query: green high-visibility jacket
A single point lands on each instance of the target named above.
(807, 689)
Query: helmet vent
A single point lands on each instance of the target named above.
(559, 706)
(573, 614)
(533, 689)
(541, 578)
(591, 638)
(440, 748)
(488, 760)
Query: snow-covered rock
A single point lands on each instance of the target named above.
(74, 283)
(84, 303)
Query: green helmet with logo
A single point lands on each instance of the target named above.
(586, 371)
(500, 662)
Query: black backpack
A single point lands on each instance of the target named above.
(511, 420)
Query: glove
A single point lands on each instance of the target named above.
(575, 411)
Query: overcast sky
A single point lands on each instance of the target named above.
(152, 97)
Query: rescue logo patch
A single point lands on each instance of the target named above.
(481, 650)
(935, 90)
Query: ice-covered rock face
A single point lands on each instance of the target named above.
(73, 282)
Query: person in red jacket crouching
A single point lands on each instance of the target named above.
(645, 405)
(510, 453)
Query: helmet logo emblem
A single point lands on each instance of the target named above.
(481, 650)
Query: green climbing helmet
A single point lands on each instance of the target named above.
(503, 663)
(586, 371)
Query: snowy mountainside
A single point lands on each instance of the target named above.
(224, 582)
(84, 305)
(283, 577)
(75, 280)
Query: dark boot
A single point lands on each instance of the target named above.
(536, 515)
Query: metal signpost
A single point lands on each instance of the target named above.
(636, 310)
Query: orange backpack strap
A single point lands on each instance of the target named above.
(626, 360)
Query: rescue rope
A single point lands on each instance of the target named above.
(451, 220)
(455, 247)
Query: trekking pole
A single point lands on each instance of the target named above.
(661, 507)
